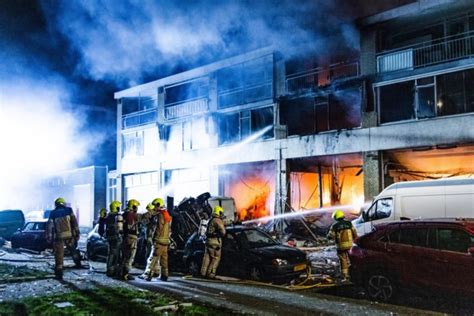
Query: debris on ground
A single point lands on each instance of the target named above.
(63, 304)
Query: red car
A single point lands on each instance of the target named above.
(434, 255)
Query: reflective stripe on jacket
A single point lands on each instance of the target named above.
(343, 233)
(162, 231)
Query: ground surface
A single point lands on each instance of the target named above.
(239, 298)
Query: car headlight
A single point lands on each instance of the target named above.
(279, 262)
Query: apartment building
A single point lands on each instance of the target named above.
(280, 133)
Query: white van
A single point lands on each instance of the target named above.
(419, 199)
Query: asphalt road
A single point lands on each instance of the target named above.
(262, 300)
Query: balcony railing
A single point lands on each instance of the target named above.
(428, 53)
(177, 110)
(318, 77)
(138, 118)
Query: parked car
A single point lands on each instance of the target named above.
(442, 198)
(431, 255)
(10, 222)
(31, 236)
(97, 249)
(37, 215)
(249, 253)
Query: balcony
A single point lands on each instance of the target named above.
(138, 118)
(190, 107)
(460, 46)
(313, 79)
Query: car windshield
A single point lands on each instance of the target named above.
(253, 238)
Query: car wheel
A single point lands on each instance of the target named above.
(380, 287)
(255, 273)
(193, 268)
(90, 254)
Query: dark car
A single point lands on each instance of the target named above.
(249, 253)
(10, 222)
(97, 249)
(429, 255)
(31, 236)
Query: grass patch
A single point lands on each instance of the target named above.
(101, 301)
(11, 273)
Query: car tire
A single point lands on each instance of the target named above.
(380, 287)
(194, 268)
(255, 273)
(90, 254)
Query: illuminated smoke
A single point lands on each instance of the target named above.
(40, 138)
(123, 40)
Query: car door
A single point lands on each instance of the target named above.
(231, 257)
(458, 272)
(38, 238)
(26, 236)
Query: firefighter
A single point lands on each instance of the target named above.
(114, 235)
(130, 232)
(63, 231)
(343, 233)
(101, 221)
(161, 240)
(215, 233)
(150, 224)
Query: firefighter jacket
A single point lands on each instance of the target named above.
(343, 233)
(215, 231)
(162, 231)
(62, 224)
(102, 222)
(113, 225)
(130, 223)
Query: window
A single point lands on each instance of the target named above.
(414, 236)
(187, 91)
(344, 109)
(394, 237)
(454, 240)
(254, 239)
(247, 82)
(29, 226)
(261, 118)
(40, 226)
(132, 144)
(425, 93)
(380, 209)
(397, 102)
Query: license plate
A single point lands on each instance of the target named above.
(299, 267)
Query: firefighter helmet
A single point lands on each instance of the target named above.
(338, 214)
(218, 211)
(133, 204)
(158, 202)
(59, 201)
(115, 206)
(102, 212)
(150, 207)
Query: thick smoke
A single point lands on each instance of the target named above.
(40, 138)
(124, 40)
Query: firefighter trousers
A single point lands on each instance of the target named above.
(210, 262)
(159, 255)
(129, 251)
(344, 261)
(71, 246)
(113, 257)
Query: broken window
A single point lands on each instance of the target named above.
(396, 102)
(344, 109)
(237, 126)
(262, 118)
(450, 90)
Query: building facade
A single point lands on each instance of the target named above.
(280, 133)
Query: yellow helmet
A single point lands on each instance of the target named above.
(102, 212)
(59, 201)
(158, 202)
(338, 214)
(218, 211)
(150, 207)
(133, 204)
(115, 206)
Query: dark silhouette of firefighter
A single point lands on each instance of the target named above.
(161, 241)
(343, 233)
(215, 233)
(63, 231)
(114, 235)
(101, 221)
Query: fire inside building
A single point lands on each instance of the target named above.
(282, 133)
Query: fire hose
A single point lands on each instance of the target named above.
(292, 287)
